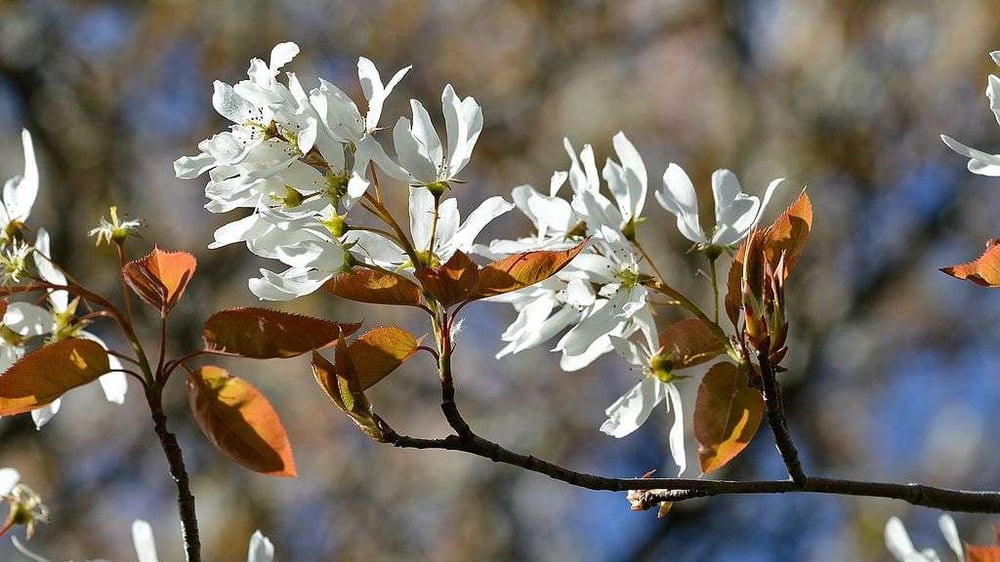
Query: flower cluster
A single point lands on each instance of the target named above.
(22, 321)
(302, 161)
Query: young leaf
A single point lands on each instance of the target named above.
(239, 421)
(727, 414)
(362, 284)
(341, 385)
(261, 333)
(982, 553)
(452, 282)
(522, 270)
(788, 233)
(690, 342)
(160, 278)
(46, 374)
(379, 352)
(984, 270)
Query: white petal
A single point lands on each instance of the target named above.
(633, 408)
(993, 93)
(678, 196)
(478, 219)
(190, 167)
(898, 541)
(22, 196)
(26, 319)
(282, 54)
(145, 544)
(375, 249)
(634, 173)
(982, 163)
(411, 154)
(48, 271)
(24, 550)
(41, 416)
(261, 549)
(950, 532)
(289, 284)
(631, 352)
(676, 438)
(423, 130)
(8, 479)
(230, 105)
(421, 217)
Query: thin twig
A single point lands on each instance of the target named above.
(776, 419)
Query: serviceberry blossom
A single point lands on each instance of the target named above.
(897, 540)
(736, 213)
(418, 146)
(634, 407)
(599, 294)
(982, 163)
(60, 322)
(19, 193)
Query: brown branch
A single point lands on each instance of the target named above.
(679, 489)
(175, 458)
(776, 419)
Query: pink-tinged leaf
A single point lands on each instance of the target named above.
(379, 352)
(522, 270)
(261, 333)
(984, 270)
(160, 278)
(239, 421)
(452, 282)
(690, 342)
(49, 372)
(362, 284)
(727, 414)
(340, 383)
(982, 553)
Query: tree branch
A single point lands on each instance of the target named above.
(175, 458)
(776, 419)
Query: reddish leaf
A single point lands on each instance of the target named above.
(690, 342)
(46, 374)
(160, 278)
(239, 421)
(727, 414)
(787, 234)
(984, 270)
(522, 270)
(362, 284)
(260, 333)
(982, 553)
(341, 385)
(452, 282)
(379, 352)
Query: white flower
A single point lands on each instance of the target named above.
(982, 163)
(633, 408)
(418, 146)
(19, 192)
(9, 478)
(736, 213)
(25, 320)
(897, 540)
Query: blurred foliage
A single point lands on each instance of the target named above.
(892, 369)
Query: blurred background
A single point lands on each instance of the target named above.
(893, 369)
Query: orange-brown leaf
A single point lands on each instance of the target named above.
(341, 385)
(727, 414)
(160, 278)
(240, 421)
(522, 270)
(788, 233)
(362, 284)
(982, 553)
(984, 270)
(379, 352)
(690, 342)
(47, 373)
(261, 333)
(452, 282)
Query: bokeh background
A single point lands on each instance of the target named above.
(893, 366)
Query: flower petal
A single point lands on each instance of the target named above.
(145, 544)
(261, 549)
(678, 196)
(633, 408)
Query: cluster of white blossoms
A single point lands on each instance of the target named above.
(301, 162)
(23, 321)
(598, 302)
